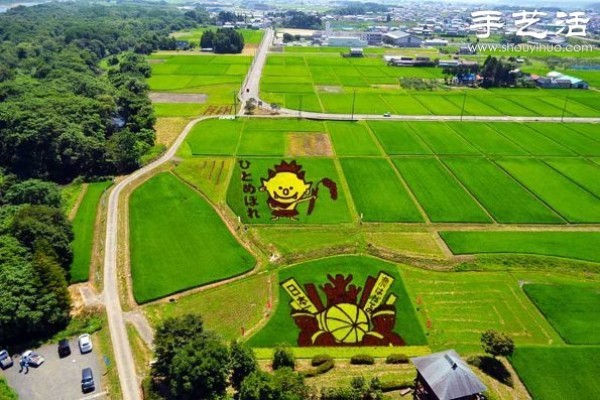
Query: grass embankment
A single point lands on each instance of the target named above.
(84, 225)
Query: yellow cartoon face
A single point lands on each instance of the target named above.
(286, 187)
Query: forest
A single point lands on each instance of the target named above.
(73, 103)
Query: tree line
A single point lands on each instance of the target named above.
(193, 363)
(73, 103)
(223, 40)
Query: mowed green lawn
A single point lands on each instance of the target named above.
(281, 327)
(328, 82)
(573, 310)
(564, 373)
(178, 241)
(84, 225)
(576, 245)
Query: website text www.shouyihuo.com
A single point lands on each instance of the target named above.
(529, 48)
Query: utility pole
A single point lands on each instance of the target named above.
(462, 112)
(300, 111)
(353, 100)
(564, 110)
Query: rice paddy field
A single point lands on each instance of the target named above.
(251, 36)
(521, 197)
(214, 78)
(416, 171)
(321, 80)
(178, 241)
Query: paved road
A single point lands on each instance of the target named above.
(251, 85)
(116, 321)
(251, 89)
(57, 378)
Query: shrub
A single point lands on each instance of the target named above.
(320, 370)
(362, 359)
(283, 357)
(391, 386)
(397, 359)
(320, 359)
(497, 343)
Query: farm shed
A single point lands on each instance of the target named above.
(402, 39)
(445, 376)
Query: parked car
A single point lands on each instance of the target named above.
(387, 114)
(64, 350)
(85, 343)
(34, 359)
(5, 359)
(87, 380)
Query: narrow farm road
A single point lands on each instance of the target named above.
(116, 321)
(251, 86)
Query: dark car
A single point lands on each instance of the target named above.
(64, 350)
(5, 360)
(87, 380)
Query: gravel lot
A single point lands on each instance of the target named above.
(56, 378)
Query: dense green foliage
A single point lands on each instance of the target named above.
(283, 358)
(224, 40)
(284, 383)
(497, 343)
(242, 363)
(60, 115)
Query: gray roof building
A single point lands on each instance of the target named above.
(445, 376)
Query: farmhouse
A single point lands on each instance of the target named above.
(556, 80)
(445, 376)
(340, 41)
(435, 42)
(402, 39)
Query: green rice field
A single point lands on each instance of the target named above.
(178, 241)
(564, 373)
(251, 36)
(392, 171)
(281, 327)
(321, 80)
(573, 310)
(218, 77)
(576, 245)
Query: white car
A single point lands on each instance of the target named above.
(33, 359)
(85, 343)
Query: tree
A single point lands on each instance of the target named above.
(171, 335)
(199, 369)
(243, 363)
(28, 310)
(282, 384)
(42, 228)
(283, 358)
(33, 191)
(497, 343)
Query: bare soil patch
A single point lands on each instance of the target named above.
(156, 60)
(177, 98)
(329, 89)
(218, 110)
(309, 144)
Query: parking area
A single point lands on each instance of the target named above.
(58, 378)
